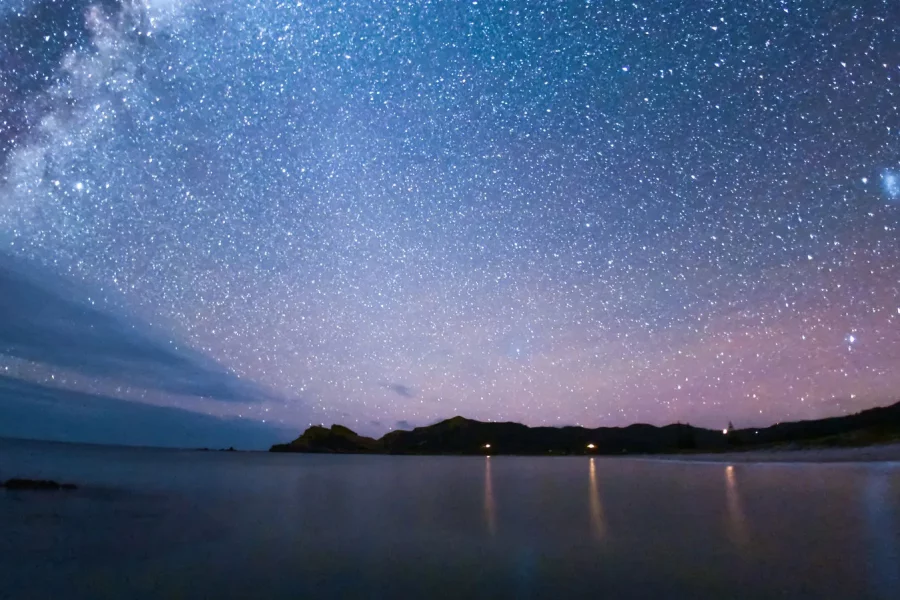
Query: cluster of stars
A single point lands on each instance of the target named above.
(553, 212)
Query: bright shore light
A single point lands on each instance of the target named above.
(591, 446)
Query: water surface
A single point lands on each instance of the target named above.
(181, 524)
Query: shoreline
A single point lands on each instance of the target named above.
(875, 453)
(883, 453)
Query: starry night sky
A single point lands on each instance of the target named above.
(385, 213)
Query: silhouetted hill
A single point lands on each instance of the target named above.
(338, 439)
(876, 425)
(466, 436)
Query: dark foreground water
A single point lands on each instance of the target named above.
(173, 524)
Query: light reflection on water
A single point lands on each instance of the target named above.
(490, 507)
(737, 524)
(598, 527)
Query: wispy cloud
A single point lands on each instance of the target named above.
(28, 410)
(400, 389)
(51, 322)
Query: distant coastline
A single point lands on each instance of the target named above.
(461, 436)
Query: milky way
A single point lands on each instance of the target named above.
(588, 212)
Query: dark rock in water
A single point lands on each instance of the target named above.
(36, 484)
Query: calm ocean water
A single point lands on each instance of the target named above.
(180, 524)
